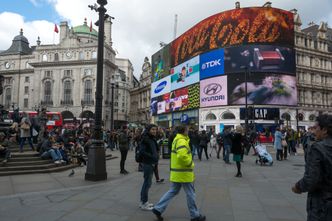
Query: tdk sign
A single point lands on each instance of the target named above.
(212, 64)
(160, 87)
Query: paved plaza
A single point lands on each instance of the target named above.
(263, 194)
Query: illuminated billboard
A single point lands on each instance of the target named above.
(178, 100)
(260, 58)
(161, 63)
(161, 87)
(213, 91)
(185, 74)
(262, 88)
(235, 27)
(211, 64)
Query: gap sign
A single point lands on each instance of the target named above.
(212, 64)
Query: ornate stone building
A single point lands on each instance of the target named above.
(314, 68)
(140, 96)
(62, 76)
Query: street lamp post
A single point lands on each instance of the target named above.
(96, 167)
(112, 107)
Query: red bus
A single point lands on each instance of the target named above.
(54, 119)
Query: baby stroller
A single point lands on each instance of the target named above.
(263, 156)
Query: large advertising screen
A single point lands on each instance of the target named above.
(260, 58)
(178, 100)
(211, 64)
(262, 88)
(185, 74)
(235, 27)
(161, 63)
(213, 91)
(161, 87)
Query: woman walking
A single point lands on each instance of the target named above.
(237, 149)
(277, 143)
(25, 127)
(204, 140)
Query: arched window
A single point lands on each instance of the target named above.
(81, 55)
(56, 57)
(67, 92)
(286, 116)
(211, 116)
(88, 92)
(48, 92)
(8, 97)
(228, 116)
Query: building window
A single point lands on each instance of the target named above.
(8, 97)
(27, 79)
(56, 57)
(26, 103)
(88, 91)
(67, 91)
(48, 92)
(44, 58)
(211, 116)
(48, 74)
(94, 55)
(26, 90)
(228, 116)
(68, 73)
(81, 55)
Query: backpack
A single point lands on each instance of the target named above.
(139, 153)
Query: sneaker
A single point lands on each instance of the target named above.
(62, 161)
(57, 162)
(160, 180)
(146, 206)
(158, 214)
(200, 218)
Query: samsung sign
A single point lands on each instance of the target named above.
(212, 64)
(161, 87)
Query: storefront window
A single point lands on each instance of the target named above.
(228, 116)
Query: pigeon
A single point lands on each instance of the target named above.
(71, 173)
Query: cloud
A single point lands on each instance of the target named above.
(11, 23)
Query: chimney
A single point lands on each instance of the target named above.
(322, 30)
(64, 31)
(108, 31)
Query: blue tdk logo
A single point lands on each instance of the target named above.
(160, 87)
(212, 64)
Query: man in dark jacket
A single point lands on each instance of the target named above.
(317, 179)
(148, 148)
(227, 138)
(124, 147)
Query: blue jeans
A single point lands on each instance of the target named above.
(147, 174)
(227, 149)
(175, 189)
(52, 153)
(195, 149)
(22, 141)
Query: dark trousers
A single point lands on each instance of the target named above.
(123, 159)
(147, 174)
(5, 153)
(279, 155)
(156, 172)
(285, 152)
(22, 142)
(201, 150)
(218, 151)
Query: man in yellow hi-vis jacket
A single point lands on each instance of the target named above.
(182, 175)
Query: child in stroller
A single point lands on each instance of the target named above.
(263, 156)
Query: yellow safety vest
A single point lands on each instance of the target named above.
(182, 165)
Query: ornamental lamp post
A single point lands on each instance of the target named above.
(96, 167)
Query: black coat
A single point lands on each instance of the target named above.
(149, 148)
(317, 180)
(237, 144)
(204, 140)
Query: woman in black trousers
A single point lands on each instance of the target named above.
(204, 140)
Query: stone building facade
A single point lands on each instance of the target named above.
(140, 96)
(61, 77)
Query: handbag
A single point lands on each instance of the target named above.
(25, 126)
(283, 143)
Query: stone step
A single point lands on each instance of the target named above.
(28, 167)
(12, 163)
(33, 171)
(20, 159)
(25, 154)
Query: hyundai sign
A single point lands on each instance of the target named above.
(161, 87)
(213, 91)
(212, 64)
